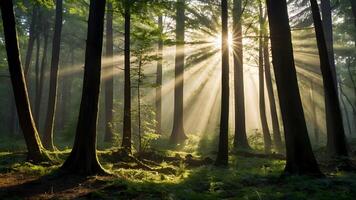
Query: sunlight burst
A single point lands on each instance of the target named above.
(218, 40)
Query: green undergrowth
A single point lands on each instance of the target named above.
(245, 178)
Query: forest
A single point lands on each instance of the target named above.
(178, 99)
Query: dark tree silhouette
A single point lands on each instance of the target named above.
(32, 37)
(52, 95)
(240, 139)
(222, 157)
(262, 104)
(36, 152)
(39, 91)
(126, 138)
(336, 143)
(159, 78)
(109, 81)
(277, 139)
(300, 157)
(178, 134)
(353, 7)
(83, 158)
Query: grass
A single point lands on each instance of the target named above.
(245, 178)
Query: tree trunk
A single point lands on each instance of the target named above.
(262, 104)
(222, 157)
(126, 139)
(353, 7)
(42, 74)
(36, 152)
(178, 133)
(109, 81)
(83, 158)
(300, 157)
(52, 96)
(139, 104)
(272, 101)
(31, 40)
(37, 77)
(159, 79)
(240, 138)
(336, 143)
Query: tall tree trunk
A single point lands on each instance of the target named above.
(126, 139)
(314, 115)
(42, 74)
(353, 7)
(328, 34)
(222, 157)
(336, 143)
(109, 81)
(52, 96)
(31, 40)
(83, 158)
(159, 78)
(272, 101)
(265, 130)
(300, 157)
(178, 133)
(240, 138)
(36, 152)
(139, 104)
(341, 94)
(37, 76)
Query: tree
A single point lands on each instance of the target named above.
(83, 158)
(272, 101)
(178, 133)
(109, 82)
(39, 90)
(240, 139)
(336, 134)
(126, 139)
(52, 95)
(353, 7)
(222, 158)
(300, 157)
(36, 152)
(32, 37)
(159, 78)
(263, 117)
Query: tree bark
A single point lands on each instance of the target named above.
(222, 157)
(83, 158)
(178, 133)
(159, 79)
(240, 138)
(353, 7)
(109, 81)
(336, 143)
(126, 139)
(52, 96)
(36, 152)
(37, 77)
(277, 138)
(300, 157)
(42, 74)
(31, 40)
(262, 104)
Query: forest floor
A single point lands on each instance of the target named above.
(174, 176)
(184, 173)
